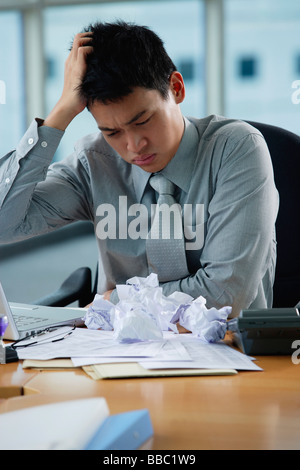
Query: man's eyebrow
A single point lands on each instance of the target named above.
(135, 118)
(106, 129)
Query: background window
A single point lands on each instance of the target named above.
(179, 24)
(12, 105)
(247, 67)
(187, 68)
(297, 68)
(262, 36)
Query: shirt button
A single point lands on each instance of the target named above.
(30, 141)
(7, 180)
(44, 144)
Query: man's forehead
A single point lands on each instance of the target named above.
(131, 121)
(125, 111)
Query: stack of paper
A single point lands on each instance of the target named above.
(175, 354)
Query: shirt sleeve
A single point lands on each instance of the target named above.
(32, 203)
(239, 250)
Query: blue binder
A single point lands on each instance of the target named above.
(124, 431)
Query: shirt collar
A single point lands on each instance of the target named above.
(184, 158)
(180, 169)
(140, 180)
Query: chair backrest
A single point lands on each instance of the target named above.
(284, 147)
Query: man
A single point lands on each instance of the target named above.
(221, 170)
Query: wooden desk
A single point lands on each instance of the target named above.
(251, 410)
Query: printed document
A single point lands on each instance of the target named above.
(86, 347)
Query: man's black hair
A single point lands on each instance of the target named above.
(124, 56)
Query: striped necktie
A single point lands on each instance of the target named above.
(165, 242)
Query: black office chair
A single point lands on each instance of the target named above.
(284, 148)
(76, 288)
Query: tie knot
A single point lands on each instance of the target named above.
(160, 184)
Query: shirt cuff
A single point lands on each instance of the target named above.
(42, 141)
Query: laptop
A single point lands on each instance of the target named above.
(26, 319)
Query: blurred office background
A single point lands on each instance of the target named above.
(239, 58)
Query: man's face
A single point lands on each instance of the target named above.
(143, 128)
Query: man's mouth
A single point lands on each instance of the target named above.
(145, 159)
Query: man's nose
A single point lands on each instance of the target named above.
(135, 142)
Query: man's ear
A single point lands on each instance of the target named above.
(177, 87)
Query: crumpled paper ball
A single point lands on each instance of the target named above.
(208, 324)
(143, 313)
(135, 324)
(100, 314)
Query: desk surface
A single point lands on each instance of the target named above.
(250, 410)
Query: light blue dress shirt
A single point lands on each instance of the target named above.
(222, 165)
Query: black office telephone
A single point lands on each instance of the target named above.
(266, 331)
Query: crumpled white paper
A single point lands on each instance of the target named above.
(143, 313)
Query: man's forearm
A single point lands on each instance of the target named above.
(20, 172)
(60, 117)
